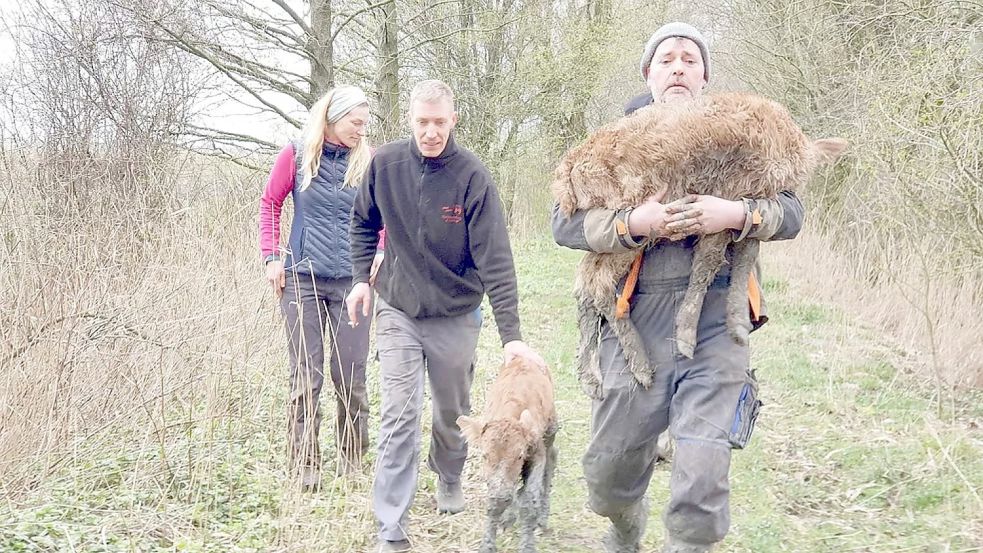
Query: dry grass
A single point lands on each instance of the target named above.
(933, 318)
(113, 318)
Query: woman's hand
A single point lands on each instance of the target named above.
(276, 276)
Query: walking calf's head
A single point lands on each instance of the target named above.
(505, 445)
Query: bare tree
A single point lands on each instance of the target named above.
(94, 99)
(277, 58)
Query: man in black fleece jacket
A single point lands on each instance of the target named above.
(446, 246)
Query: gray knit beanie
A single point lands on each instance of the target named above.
(675, 29)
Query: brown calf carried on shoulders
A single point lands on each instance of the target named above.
(730, 145)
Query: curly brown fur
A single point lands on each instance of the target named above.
(730, 145)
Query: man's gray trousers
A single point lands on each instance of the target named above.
(441, 350)
(696, 399)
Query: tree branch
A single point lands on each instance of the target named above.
(345, 23)
(227, 137)
(260, 25)
(240, 160)
(430, 7)
(260, 72)
(190, 48)
(455, 32)
(293, 15)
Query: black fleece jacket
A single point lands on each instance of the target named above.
(446, 239)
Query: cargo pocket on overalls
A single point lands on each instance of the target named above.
(746, 414)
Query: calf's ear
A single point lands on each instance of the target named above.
(527, 420)
(471, 428)
(830, 149)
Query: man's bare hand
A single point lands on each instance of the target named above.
(649, 217)
(696, 214)
(518, 349)
(358, 300)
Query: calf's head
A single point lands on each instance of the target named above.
(505, 445)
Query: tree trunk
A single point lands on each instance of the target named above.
(320, 49)
(387, 77)
(598, 18)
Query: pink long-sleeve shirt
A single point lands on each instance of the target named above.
(278, 187)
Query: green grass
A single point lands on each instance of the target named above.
(850, 455)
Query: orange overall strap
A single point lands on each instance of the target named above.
(636, 267)
(754, 297)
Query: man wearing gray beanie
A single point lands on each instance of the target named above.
(693, 54)
(707, 403)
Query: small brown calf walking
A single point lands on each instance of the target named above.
(515, 434)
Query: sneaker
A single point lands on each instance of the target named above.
(398, 546)
(450, 497)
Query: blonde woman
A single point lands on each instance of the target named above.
(321, 172)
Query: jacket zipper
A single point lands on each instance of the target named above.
(419, 231)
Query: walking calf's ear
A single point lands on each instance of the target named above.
(471, 428)
(527, 420)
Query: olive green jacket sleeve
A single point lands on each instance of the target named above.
(596, 230)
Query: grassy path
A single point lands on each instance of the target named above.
(850, 454)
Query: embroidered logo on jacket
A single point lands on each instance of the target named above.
(452, 213)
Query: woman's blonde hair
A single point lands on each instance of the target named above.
(313, 142)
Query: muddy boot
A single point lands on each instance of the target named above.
(677, 546)
(450, 497)
(627, 528)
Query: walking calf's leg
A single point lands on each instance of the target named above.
(531, 496)
(494, 519)
(550, 469)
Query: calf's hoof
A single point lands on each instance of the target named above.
(641, 371)
(686, 347)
